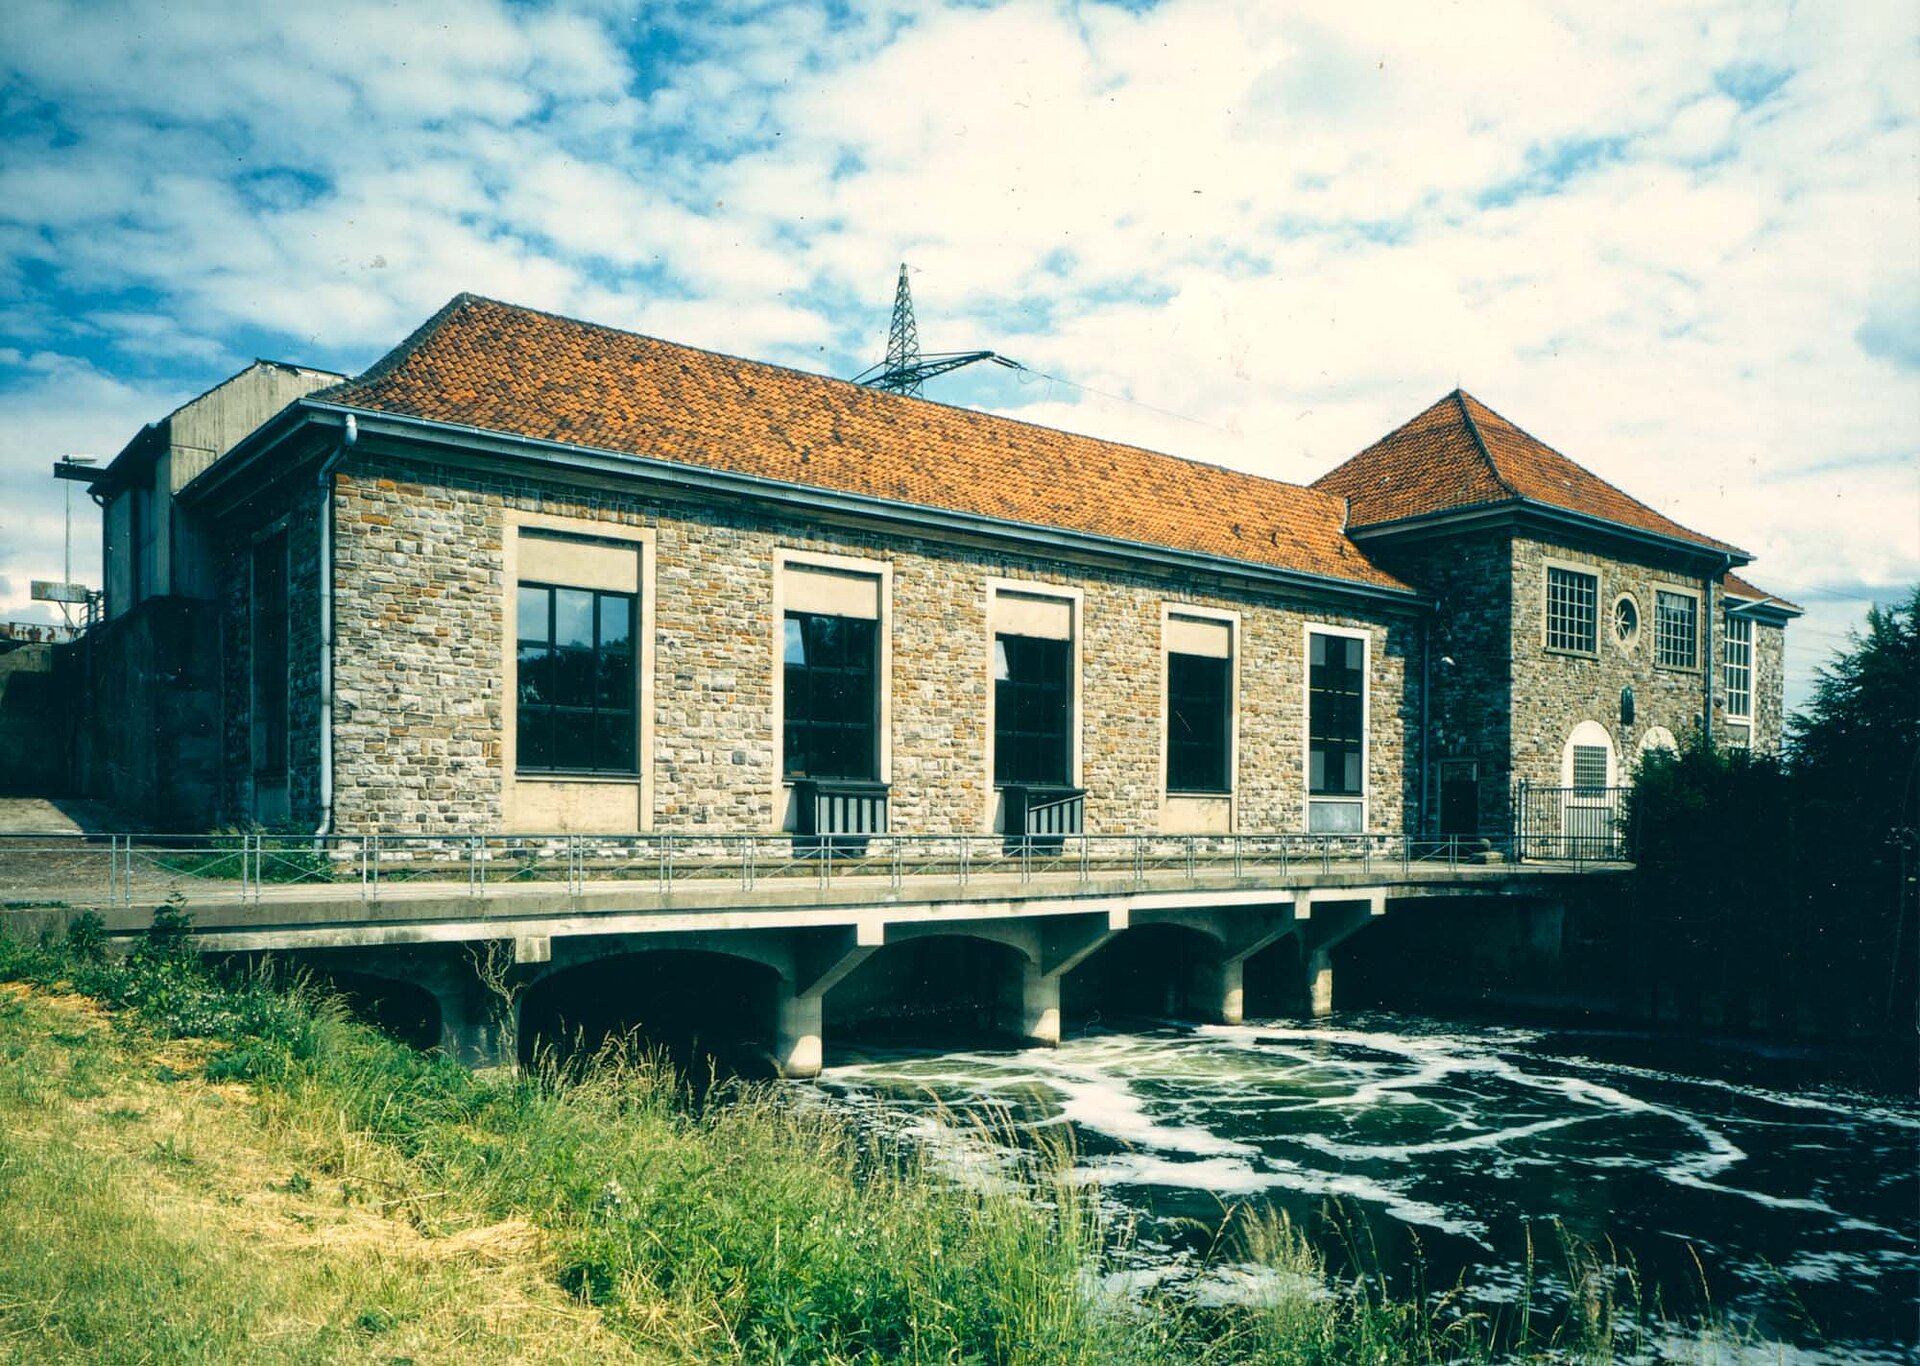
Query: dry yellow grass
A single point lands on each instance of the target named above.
(123, 1171)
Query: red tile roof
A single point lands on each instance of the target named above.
(494, 366)
(1459, 453)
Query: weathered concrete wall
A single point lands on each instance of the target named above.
(423, 606)
(35, 727)
(150, 742)
(294, 505)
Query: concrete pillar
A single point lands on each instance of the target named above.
(797, 1049)
(476, 1028)
(1040, 1006)
(1233, 992)
(1320, 983)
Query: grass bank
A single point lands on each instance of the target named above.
(199, 1169)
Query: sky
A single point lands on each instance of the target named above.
(1680, 243)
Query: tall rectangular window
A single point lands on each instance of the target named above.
(578, 681)
(1571, 610)
(1032, 709)
(1740, 668)
(1676, 630)
(830, 710)
(1199, 722)
(1336, 715)
(269, 658)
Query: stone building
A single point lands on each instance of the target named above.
(531, 574)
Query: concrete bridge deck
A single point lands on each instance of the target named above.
(812, 916)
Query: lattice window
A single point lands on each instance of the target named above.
(1676, 630)
(1571, 611)
(1589, 766)
(577, 664)
(1740, 668)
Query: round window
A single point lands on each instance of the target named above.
(1626, 621)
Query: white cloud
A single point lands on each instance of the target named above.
(1676, 241)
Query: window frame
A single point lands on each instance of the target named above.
(522, 769)
(780, 788)
(527, 797)
(816, 723)
(1170, 613)
(1364, 800)
(1586, 571)
(1073, 598)
(1660, 660)
(1747, 667)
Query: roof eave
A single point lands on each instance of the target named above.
(1509, 510)
(697, 478)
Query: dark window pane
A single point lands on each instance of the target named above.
(615, 692)
(615, 740)
(573, 740)
(578, 698)
(535, 674)
(573, 678)
(828, 711)
(1032, 709)
(1199, 717)
(535, 741)
(1336, 706)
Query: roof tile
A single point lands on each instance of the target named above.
(497, 367)
(1459, 454)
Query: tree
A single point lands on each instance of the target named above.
(1854, 757)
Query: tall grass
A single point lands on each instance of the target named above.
(743, 1227)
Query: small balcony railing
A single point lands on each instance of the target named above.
(838, 814)
(1039, 817)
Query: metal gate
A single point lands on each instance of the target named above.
(1584, 824)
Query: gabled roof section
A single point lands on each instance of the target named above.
(479, 363)
(1738, 588)
(1460, 454)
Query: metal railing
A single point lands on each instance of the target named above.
(120, 869)
(1569, 824)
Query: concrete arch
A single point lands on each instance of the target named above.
(407, 1010)
(941, 986)
(706, 1009)
(1157, 970)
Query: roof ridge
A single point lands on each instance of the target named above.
(1460, 397)
(398, 355)
(393, 359)
(1597, 478)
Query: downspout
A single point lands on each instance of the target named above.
(349, 435)
(1427, 824)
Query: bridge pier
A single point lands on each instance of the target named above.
(477, 1027)
(1328, 925)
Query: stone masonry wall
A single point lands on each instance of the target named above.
(1553, 692)
(421, 609)
(1769, 687)
(1468, 577)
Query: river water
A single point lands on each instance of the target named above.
(1798, 1195)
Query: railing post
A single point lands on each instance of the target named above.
(893, 845)
(1192, 870)
(747, 869)
(1084, 870)
(966, 858)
